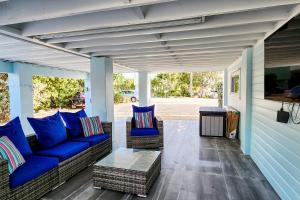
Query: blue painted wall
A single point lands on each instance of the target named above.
(242, 101)
(275, 146)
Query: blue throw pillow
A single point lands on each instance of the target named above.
(50, 130)
(137, 109)
(13, 130)
(73, 123)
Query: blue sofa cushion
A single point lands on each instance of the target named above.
(73, 123)
(65, 150)
(13, 130)
(34, 167)
(50, 130)
(144, 132)
(93, 140)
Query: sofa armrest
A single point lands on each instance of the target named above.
(107, 127)
(4, 177)
(128, 126)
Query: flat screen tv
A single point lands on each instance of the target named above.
(282, 63)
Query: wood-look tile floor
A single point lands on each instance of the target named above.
(193, 168)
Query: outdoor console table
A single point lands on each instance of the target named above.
(212, 121)
(128, 170)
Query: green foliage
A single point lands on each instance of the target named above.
(177, 84)
(4, 98)
(121, 83)
(170, 84)
(219, 87)
(53, 92)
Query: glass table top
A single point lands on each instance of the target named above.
(131, 159)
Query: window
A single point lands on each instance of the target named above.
(235, 82)
(4, 99)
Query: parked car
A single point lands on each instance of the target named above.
(78, 101)
(130, 94)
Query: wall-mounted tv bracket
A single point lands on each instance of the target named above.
(283, 116)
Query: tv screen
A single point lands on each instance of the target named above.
(282, 63)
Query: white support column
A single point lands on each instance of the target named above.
(21, 94)
(99, 89)
(225, 87)
(144, 88)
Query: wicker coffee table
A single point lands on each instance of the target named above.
(128, 170)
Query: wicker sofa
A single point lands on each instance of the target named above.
(38, 187)
(148, 141)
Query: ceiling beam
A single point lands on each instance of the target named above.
(155, 13)
(184, 52)
(178, 48)
(20, 11)
(169, 47)
(235, 19)
(217, 55)
(140, 12)
(217, 32)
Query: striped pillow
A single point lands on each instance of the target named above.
(143, 119)
(9, 152)
(91, 126)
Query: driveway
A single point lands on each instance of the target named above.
(170, 108)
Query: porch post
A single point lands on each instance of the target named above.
(21, 94)
(99, 89)
(225, 87)
(144, 89)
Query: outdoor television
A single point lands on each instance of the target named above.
(282, 63)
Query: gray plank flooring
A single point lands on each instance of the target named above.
(193, 168)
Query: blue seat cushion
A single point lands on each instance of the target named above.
(50, 130)
(13, 130)
(34, 167)
(92, 140)
(64, 150)
(73, 123)
(144, 132)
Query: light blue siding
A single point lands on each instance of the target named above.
(275, 146)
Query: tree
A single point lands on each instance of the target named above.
(178, 84)
(53, 92)
(4, 98)
(121, 83)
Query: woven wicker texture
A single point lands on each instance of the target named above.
(127, 180)
(43, 184)
(145, 142)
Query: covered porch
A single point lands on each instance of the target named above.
(193, 168)
(91, 40)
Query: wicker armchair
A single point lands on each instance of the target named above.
(145, 142)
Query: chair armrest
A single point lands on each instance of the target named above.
(159, 124)
(107, 127)
(128, 126)
(4, 177)
(159, 121)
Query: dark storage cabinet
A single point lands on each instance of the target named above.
(212, 121)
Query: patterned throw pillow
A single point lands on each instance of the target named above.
(9, 152)
(91, 126)
(143, 120)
